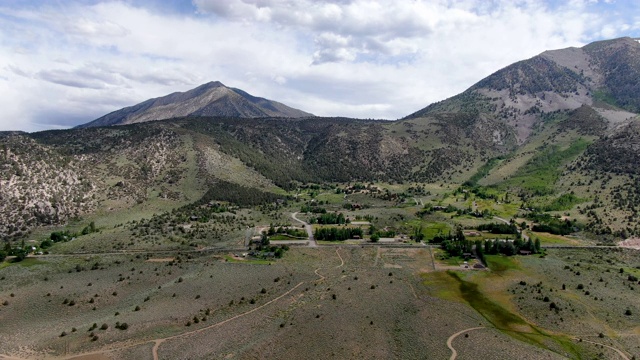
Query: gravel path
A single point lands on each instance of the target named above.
(454, 353)
(312, 241)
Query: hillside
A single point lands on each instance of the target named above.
(603, 75)
(210, 99)
(537, 128)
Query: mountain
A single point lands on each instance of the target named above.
(543, 128)
(603, 75)
(210, 99)
(154, 224)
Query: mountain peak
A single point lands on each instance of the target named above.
(604, 75)
(211, 85)
(209, 99)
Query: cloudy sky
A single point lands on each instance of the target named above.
(65, 62)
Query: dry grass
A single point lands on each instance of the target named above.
(369, 303)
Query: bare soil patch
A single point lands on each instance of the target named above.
(631, 243)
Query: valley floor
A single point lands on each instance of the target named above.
(325, 302)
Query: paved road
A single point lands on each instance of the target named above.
(312, 241)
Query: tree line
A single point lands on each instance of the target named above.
(337, 234)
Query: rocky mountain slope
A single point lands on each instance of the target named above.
(551, 125)
(211, 99)
(603, 75)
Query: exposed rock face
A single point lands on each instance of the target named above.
(211, 99)
(39, 186)
(604, 75)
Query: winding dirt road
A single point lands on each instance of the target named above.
(341, 260)
(454, 353)
(158, 342)
(620, 352)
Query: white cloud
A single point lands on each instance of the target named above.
(89, 27)
(63, 63)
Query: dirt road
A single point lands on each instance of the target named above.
(454, 353)
(312, 241)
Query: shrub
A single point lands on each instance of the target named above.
(580, 286)
(104, 326)
(628, 312)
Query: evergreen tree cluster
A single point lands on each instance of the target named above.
(337, 234)
(498, 228)
(509, 248)
(332, 218)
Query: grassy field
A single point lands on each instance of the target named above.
(551, 239)
(432, 230)
(532, 300)
(500, 263)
